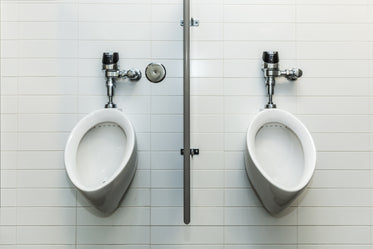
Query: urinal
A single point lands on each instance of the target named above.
(101, 157)
(280, 154)
(100, 153)
(280, 158)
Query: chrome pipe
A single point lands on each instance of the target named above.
(186, 74)
(110, 85)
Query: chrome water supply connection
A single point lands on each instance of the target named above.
(113, 74)
(271, 70)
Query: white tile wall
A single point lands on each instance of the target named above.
(50, 78)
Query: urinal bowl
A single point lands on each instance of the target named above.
(101, 158)
(280, 158)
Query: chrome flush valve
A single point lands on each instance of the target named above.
(112, 74)
(271, 71)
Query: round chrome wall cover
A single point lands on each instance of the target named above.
(155, 72)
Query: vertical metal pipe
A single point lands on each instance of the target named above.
(186, 67)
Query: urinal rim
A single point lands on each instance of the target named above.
(82, 127)
(288, 119)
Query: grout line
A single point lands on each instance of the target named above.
(224, 129)
(368, 6)
(17, 137)
(296, 103)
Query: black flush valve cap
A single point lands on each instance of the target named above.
(270, 57)
(110, 58)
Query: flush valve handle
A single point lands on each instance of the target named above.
(292, 74)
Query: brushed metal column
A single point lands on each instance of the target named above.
(186, 67)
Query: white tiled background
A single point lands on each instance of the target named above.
(50, 77)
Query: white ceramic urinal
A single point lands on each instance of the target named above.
(280, 158)
(101, 157)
